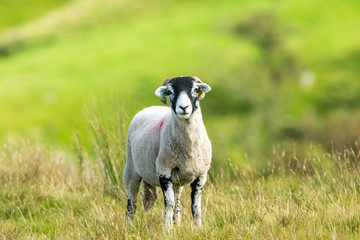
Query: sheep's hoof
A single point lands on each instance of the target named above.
(169, 223)
(129, 218)
(148, 203)
(197, 222)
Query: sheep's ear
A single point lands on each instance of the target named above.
(204, 87)
(160, 92)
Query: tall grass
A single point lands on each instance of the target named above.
(48, 193)
(108, 131)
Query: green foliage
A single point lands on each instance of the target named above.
(280, 72)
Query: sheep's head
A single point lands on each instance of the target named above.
(184, 94)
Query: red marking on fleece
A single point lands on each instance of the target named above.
(160, 124)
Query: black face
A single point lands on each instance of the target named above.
(179, 85)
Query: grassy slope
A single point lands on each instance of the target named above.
(118, 58)
(48, 193)
(48, 83)
(14, 13)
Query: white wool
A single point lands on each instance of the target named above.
(184, 145)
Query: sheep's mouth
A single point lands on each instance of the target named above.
(183, 115)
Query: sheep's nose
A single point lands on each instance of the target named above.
(183, 108)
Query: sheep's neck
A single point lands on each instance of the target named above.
(186, 132)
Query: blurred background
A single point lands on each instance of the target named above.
(281, 72)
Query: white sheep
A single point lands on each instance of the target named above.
(169, 148)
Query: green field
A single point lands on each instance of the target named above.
(285, 71)
(283, 114)
(48, 194)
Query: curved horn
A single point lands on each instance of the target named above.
(166, 82)
(197, 79)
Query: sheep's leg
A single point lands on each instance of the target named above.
(132, 183)
(132, 190)
(196, 188)
(150, 196)
(177, 214)
(168, 191)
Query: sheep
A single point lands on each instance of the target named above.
(168, 147)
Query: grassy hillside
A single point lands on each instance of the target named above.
(15, 13)
(280, 72)
(285, 101)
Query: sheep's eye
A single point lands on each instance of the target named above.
(168, 92)
(196, 90)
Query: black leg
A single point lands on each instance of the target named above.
(169, 202)
(196, 188)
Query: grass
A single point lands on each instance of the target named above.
(321, 205)
(51, 66)
(49, 193)
(12, 14)
(127, 49)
